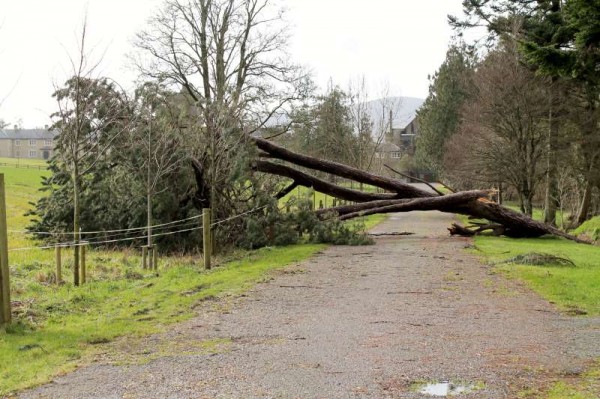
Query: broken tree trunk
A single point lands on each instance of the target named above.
(320, 185)
(470, 203)
(444, 203)
(401, 189)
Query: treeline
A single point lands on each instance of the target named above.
(520, 111)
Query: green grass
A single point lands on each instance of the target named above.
(22, 187)
(569, 288)
(22, 162)
(586, 387)
(590, 228)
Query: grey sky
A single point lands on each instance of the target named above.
(394, 42)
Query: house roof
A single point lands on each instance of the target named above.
(27, 134)
(388, 147)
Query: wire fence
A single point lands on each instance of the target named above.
(23, 166)
(102, 240)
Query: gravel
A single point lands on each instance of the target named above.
(354, 322)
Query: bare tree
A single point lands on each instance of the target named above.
(362, 123)
(154, 142)
(502, 137)
(228, 58)
(89, 118)
(385, 111)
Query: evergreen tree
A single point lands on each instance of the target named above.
(439, 116)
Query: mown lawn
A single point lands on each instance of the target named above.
(23, 162)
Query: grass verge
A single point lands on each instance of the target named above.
(573, 290)
(591, 228)
(58, 326)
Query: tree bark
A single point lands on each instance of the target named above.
(403, 190)
(76, 225)
(585, 203)
(446, 203)
(320, 185)
(551, 195)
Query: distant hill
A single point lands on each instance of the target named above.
(404, 110)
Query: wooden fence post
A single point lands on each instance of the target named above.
(150, 258)
(154, 258)
(206, 237)
(144, 254)
(82, 263)
(57, 250)
(5, 309)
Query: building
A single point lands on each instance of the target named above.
(388, 150)
(404, 134)
(27, 143)
(396, 117)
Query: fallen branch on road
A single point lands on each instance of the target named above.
(399, 196)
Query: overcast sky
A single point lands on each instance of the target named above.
(391, 42)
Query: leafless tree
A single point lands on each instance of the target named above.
(502, 137)
(154, 142)
(362, 122)
(388, 108)
(89, 118)
(228, 59)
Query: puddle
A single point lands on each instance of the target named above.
(444, 389)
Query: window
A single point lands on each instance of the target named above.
(396, 154)
(32, 154)
(18, 154)
(48, 143)
(17, 143)
(32, 143)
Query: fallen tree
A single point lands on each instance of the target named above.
(399, 196)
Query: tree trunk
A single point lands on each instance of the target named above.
(527, 204)
(585, 202)
(76, 224)
(500, 194)
(446, 203)
(320, 185)
(551, 195)
(402, 189)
